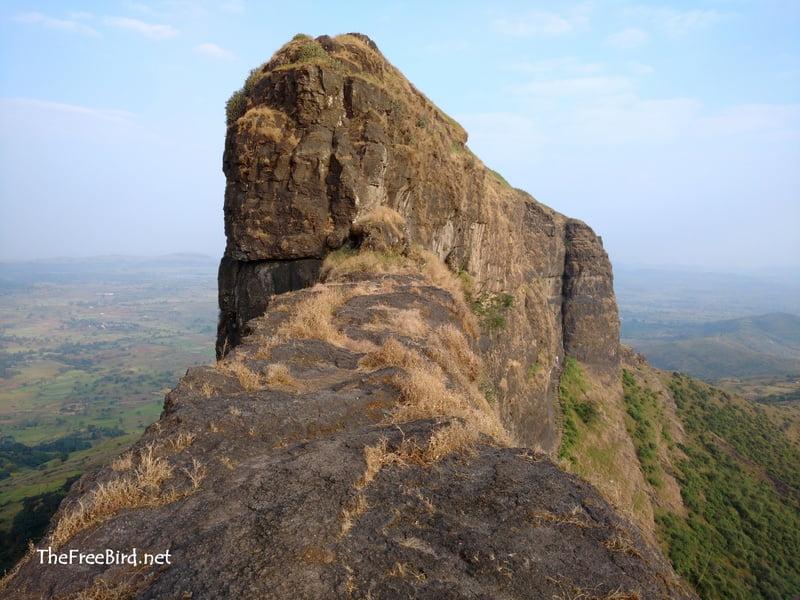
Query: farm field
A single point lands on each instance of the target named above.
(88, 349)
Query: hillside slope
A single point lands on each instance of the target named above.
(344, 450)
(412, 356)
(723, 478)
(744, 347)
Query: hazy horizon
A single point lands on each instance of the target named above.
(673, 132)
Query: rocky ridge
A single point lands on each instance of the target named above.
(364, 434)
(328, 131)
(343, 450)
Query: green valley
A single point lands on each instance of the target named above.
(87, 351)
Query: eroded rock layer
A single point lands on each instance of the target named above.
(327, 132)
(311, 463)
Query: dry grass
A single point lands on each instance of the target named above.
(9, 575)
(249, 379)
(418, 261)
(382, 214)
(351, 512)
(313, 317)
(183, 440)
(227, 461)
(196, 474)
(266, 123)
(407, 322)
(569, 591)
(102, 590)
(392, 354)
(341, 263)
(278, 375)
(424, 385)
(141, 486)
(438, 273)
(542, 518)
(405, 572)
(426, 396)
(621, 542)
(457, 438)
(449, 349)
(123, 462)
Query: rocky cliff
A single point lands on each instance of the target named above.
(342, 450)
(394, 326)
(327, 132)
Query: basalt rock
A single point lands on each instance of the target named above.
(281, 472)
(327, 132)
(361, 436)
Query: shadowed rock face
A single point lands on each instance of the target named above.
(268, 490)
(328, 130)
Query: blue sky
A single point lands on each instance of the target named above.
(672, 128)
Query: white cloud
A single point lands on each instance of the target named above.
(69, 26)
(578, 86)
(766, 121)
(151, 30)
(564, 64)
(677, 23)
(232, 6)
(631, 119)
(682, 23)
(138, 7)
(632, 37)
(32, 106)
(544, 23)
(639, 68)
(214, 51)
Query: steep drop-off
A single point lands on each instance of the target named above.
(395, 321)
(327, 132)
(343, 450)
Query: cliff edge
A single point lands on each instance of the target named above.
(394, 324)
(326, 133)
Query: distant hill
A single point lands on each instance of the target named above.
(744, 347)
(105, 268)
(673, 296)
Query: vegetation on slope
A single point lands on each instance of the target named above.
(575, 406)
(642, 413)
(740, 483)
(745, 347)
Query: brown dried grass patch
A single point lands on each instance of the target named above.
(382, 214)
(278, 375)
(183, 440)
(449, 349)
(341, 263)
(249, 379)
(351, 512)
(392, 354)
(142, 486)
(426, 396)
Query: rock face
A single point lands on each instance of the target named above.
(364, 434)
(328, 131)
(310, 463)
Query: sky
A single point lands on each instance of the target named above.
(672, 128)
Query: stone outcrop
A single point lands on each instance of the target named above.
(326, 132)
(394, 321)
(308, 466)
